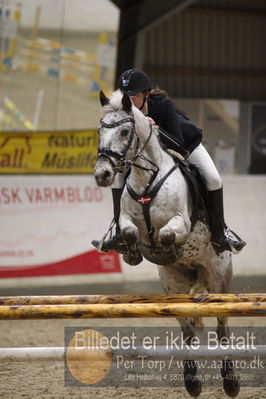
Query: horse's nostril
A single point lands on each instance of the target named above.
(106, 174)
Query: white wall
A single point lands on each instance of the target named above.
(79, 15)
(245, 214)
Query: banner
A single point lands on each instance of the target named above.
(68, 152)
(48, 222)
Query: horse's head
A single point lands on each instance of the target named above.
(117, 137)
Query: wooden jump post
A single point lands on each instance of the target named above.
(226, 305)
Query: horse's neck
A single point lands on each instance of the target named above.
(139, 178)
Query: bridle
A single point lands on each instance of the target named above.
(124, 164)
(108, 153)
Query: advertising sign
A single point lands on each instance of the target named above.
(48, 152)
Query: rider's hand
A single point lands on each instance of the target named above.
(152, 122)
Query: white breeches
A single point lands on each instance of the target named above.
(201, 159)
(209, 174)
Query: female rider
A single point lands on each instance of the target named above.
(156, 105)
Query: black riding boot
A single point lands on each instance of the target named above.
(115, 243)
(222, 238)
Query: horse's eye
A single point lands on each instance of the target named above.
(124, 132)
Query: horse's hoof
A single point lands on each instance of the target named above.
(231, 386)
(167, 239)
(133, 258)
(168, 256)
(193, 385)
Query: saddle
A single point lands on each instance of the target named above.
(197, 189)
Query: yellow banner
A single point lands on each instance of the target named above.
(66, 152)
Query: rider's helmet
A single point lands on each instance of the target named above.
(134, 81)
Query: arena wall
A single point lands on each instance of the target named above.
(245, 214)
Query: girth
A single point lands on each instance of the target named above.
(146, 198)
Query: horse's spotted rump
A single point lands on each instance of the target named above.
(196, 243)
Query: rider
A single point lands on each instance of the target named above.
(156, 105)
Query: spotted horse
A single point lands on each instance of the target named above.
(158, 227)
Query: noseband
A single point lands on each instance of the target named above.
(123, 164)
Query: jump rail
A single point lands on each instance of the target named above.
(58, 353)
(113, 299)
(125, 310)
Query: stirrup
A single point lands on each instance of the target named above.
(99, 244)
(230, 242)
(115, 243)
(234, 241)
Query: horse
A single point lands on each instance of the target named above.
(155, 219)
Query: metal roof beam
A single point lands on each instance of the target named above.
(136, 16)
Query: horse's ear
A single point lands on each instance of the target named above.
(127, 104)
(103, 99)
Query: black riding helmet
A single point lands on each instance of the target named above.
(134, 81)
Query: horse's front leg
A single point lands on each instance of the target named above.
(192, 383)
(130, 236)
(230, 382)
(175, 232)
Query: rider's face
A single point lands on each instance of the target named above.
(138, 99)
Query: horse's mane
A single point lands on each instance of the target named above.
(115, 104)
